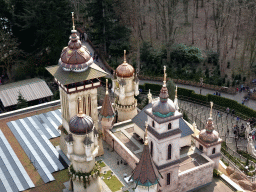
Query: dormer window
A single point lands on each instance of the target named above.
(153, 123)
(169, 126)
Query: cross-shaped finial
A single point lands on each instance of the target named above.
(124, 56)
(176, 92)
(73, 19)
(211, 104)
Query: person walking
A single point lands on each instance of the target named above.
(227, 110)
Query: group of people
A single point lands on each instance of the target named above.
(217, 93)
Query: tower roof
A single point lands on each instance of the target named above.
(107, 109)
(164, 107)
(75, 57)
(81, 124)
(145, 173)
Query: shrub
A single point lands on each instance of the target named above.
(199, 97)
(244, 78)
(216, 173)
(228, 64)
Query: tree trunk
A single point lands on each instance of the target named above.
(197, 8)
(202, 3)
(185, 9)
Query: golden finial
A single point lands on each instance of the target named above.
(106, 86)
(73, 19)
(176, 92)
(80, 109)
(211, 104)
(146, 134)
(124, 56)
(164, 76)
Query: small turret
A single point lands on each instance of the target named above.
(176, 99)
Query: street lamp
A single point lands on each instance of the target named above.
(201, 84)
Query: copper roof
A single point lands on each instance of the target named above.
(68, 77)
(75, 56)
(81, 124)
(107, 109)
(145, 172)
(209, 135)
(125, 70)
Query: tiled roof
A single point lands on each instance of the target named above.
(145, 172)
(141, 117)
(186, 130)
(68, 77)
(107, 110)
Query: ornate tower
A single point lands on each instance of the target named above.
(164, 135)
(126, 85)
(209, 142)
(107, 113)
(145, 174)
(77, 76)
(82, 144)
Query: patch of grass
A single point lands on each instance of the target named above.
(101, 163)
(61, 176)
(113, 183)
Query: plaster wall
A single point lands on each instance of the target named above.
(160, 148)
(121, 149)
(185, 141)
(163, 127)
(139, 131)
(195, 177)
(174, 179)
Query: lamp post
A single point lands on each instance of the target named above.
(201, 84)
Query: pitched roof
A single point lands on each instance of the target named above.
(145, 173)
(68, 77)
(31, 89)
(141, 117)
(107, 110)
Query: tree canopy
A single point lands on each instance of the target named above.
(22, 103)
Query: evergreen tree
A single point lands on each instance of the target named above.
(42, 27)
(22, 102)
(171, 89)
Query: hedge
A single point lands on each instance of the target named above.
(221, 101)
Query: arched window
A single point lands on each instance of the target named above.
(201, 148)
(153, 123)
(169, 151)
(168, 181)
(151, 149)
(84, 105)
(169, 126)
(213, 151)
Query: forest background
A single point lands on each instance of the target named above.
(210, 39)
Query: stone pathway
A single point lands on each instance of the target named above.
(222, 124)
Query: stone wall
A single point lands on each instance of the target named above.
(196, 177)
(121, 149)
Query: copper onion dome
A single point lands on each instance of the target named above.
(75, 57)
(125, 69)
(81, 123)
(209, 135)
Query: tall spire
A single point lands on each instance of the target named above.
(176, 92)
(80, 109)
(73, 19)
(106, 86)
(164, 85)
(124, 56)
(146, 134)
(211, 104)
